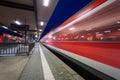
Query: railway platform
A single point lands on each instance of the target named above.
(41, 64)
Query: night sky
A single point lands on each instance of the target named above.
(64, 10)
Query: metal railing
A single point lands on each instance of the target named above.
(15, 49)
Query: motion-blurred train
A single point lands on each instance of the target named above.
(91, 37)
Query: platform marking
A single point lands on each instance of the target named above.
(46, 69)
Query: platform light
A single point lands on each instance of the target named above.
(36, 35)
(46, 3)
(17, 22)
(40, 29)
(41, 23)
(72, 28)
(5, 27)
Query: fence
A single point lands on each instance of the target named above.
(14, 49)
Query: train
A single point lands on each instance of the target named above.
(91, 37)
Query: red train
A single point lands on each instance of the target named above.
(91, 36)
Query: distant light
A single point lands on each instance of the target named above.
(5, 27)
(36, 35)
(72, 28)
(107, 31)
(46, 3)
(88, 29)
(41, 23)
(15, 31)
(40, 29)
(17, 22)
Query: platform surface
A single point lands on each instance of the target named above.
(44, 65)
